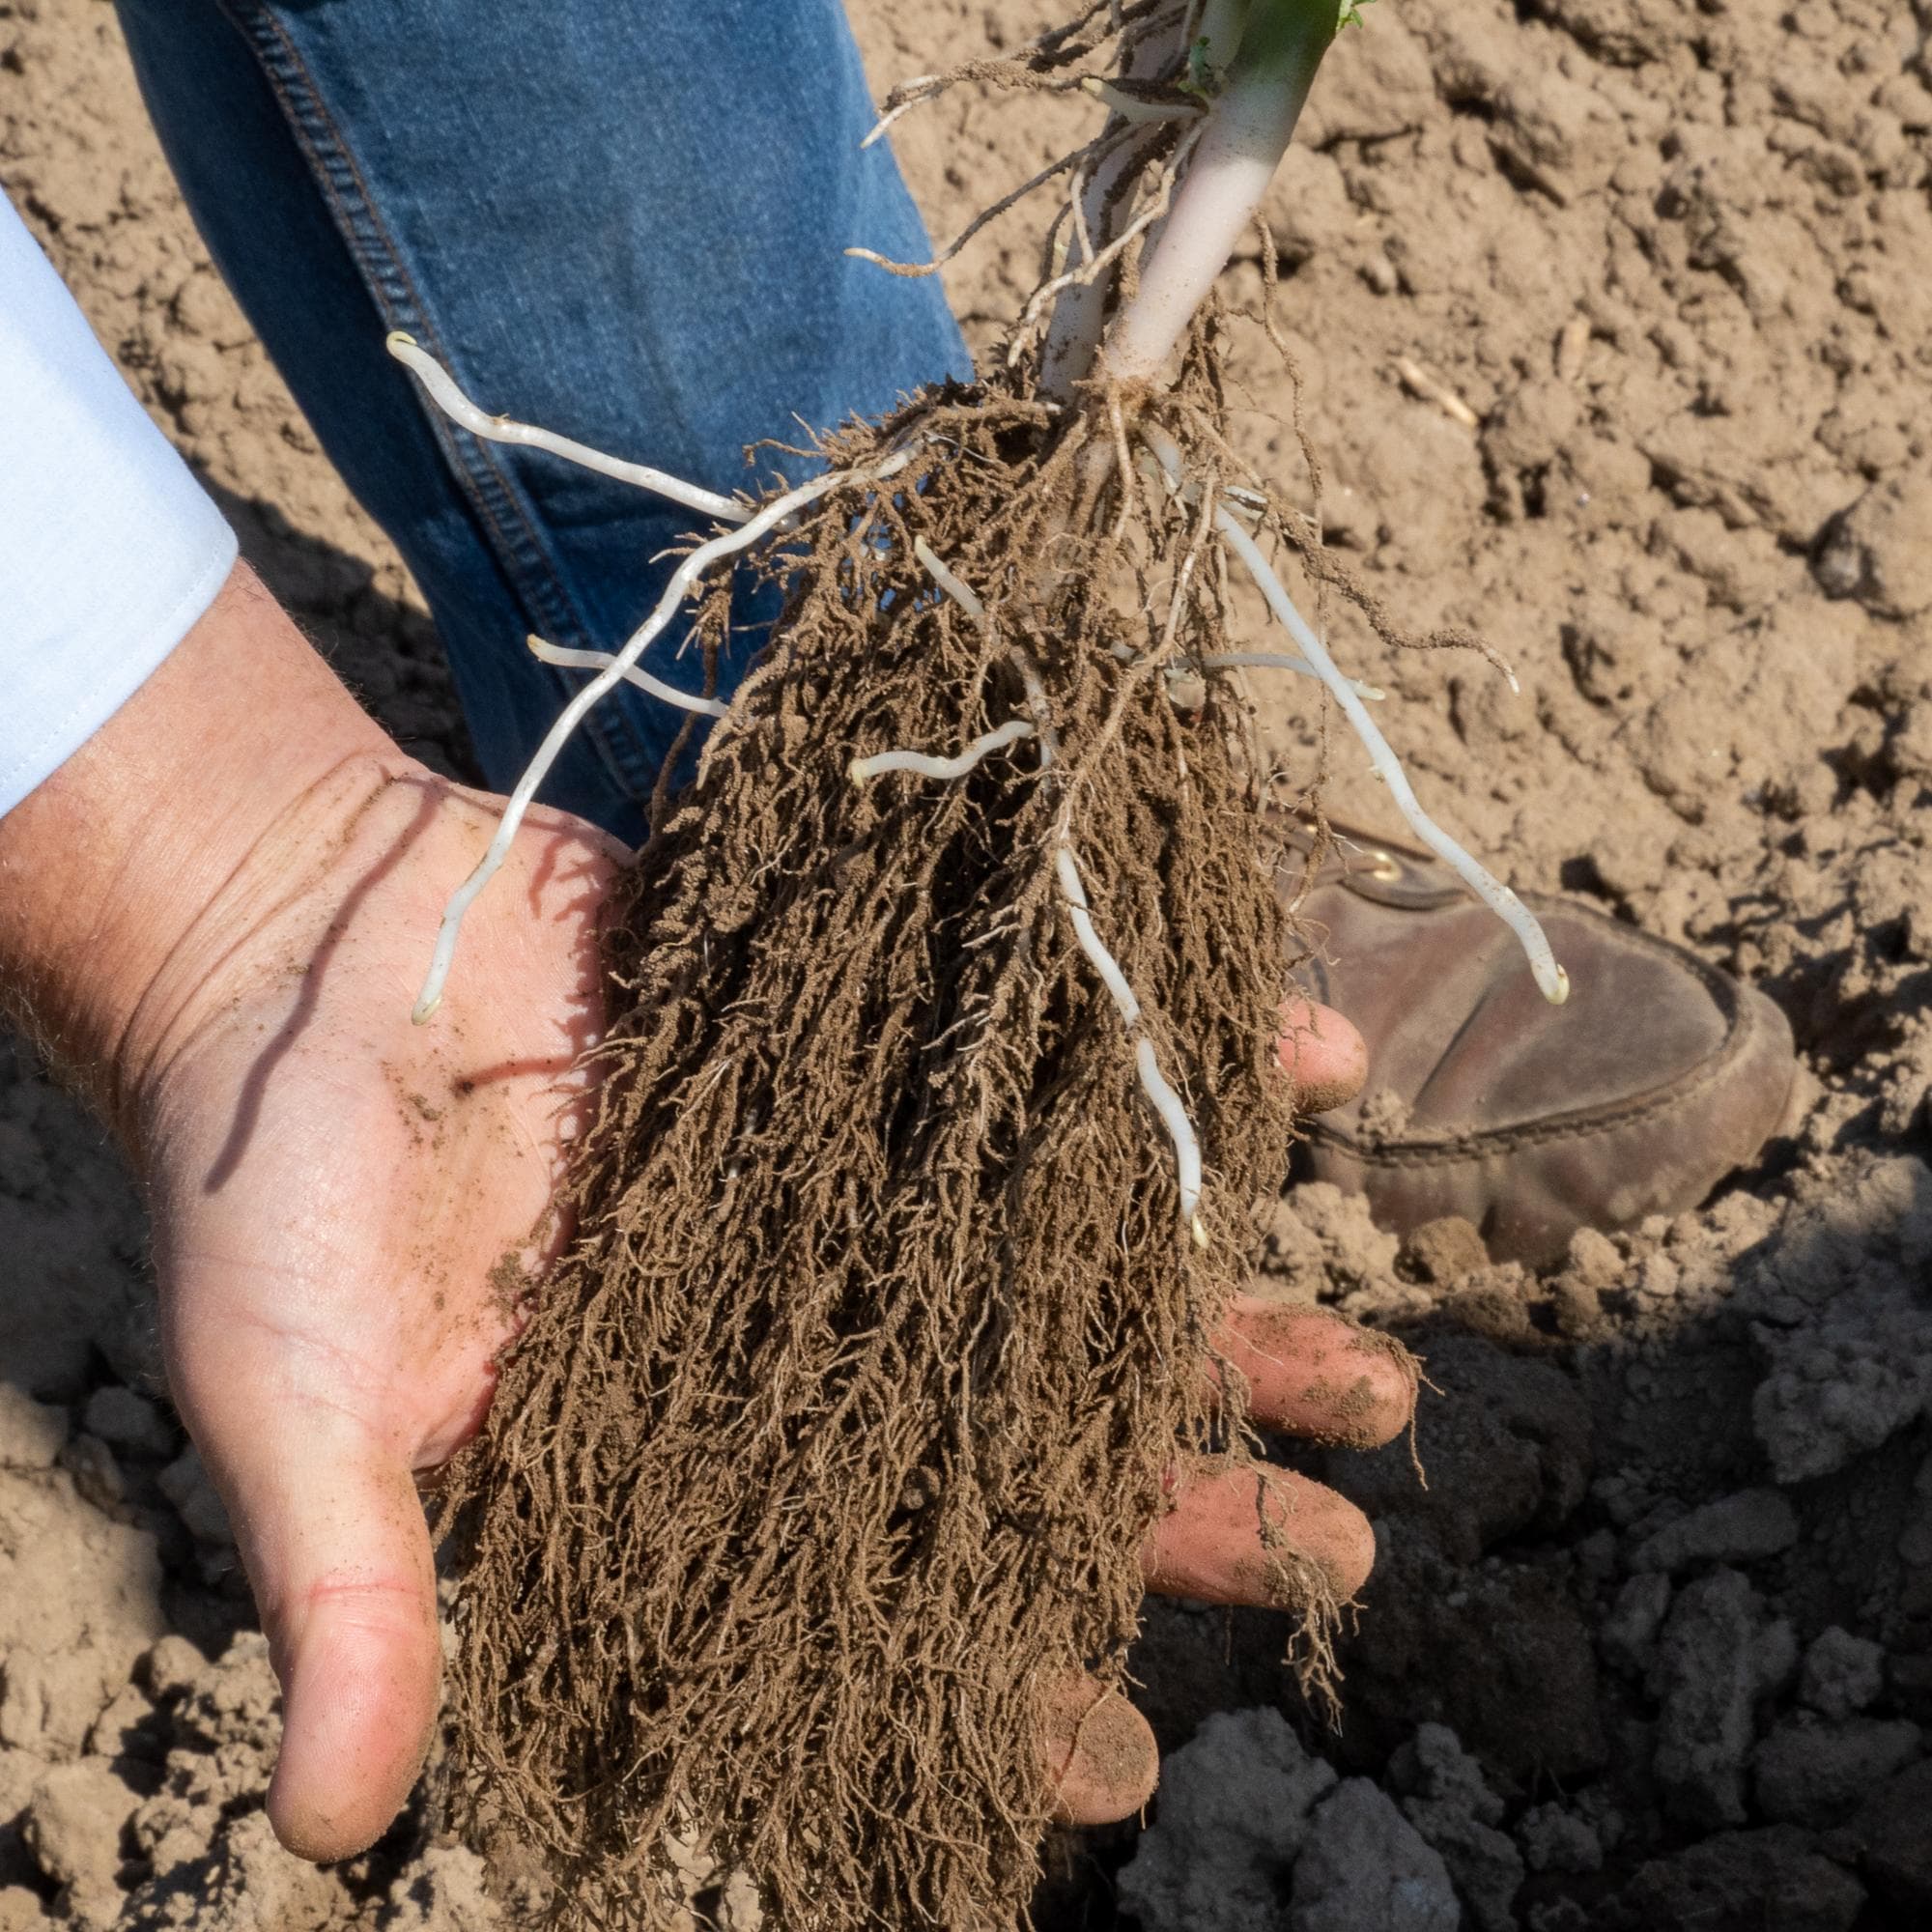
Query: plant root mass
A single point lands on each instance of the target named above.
(830, 1446)
(942, 1073)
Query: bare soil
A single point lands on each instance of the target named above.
(1612, 317)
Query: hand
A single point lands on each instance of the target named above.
(343, 1209)
(217, 914)
(245, 881)
(346, 1208)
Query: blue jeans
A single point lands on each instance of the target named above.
(623, 220)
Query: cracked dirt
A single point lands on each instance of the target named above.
(1615, 346)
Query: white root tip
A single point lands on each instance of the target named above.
(925, 766)
(911, 93)
(1167, 1103)
(1198, 1228)
(443, 956)
(962, 593)
(1551, 980)
(442, 389)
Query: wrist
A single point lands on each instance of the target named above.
(109, 865)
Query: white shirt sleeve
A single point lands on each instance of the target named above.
(109, 548)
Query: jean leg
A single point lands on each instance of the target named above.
(622, 218)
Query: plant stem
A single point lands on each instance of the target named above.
(1080, 312)
(1248, 132)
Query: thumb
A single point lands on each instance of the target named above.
(1323, 1054)
(1101, 1752)
(337, 1551)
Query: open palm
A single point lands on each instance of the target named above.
(345, 1207)
(348, 1206)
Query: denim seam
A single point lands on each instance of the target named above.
(513, 530)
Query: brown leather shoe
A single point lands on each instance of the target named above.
(1657, 1078)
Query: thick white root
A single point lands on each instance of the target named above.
(1160, 1093)
(1551, 980)
(561, 654)
(924, 765)
(458, 409)
(684, 579)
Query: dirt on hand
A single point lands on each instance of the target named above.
(1667, 260)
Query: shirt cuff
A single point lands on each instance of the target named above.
(109, 548)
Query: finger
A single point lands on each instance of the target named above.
(1210, 1544)
(333, 1538)
(1315, 1373)
(1100, 1754)
(1323, 1054)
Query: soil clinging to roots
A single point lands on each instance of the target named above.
(830, 1446)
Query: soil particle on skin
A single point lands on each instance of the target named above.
(509, 1285)
(1669, 1591)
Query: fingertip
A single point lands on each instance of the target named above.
(1322, 1054)
(1101, 1754)
(361, 1688)
(336, 1547)
(1226, 1537)
(1386, 1377)
(1346, 1549)
(1315, 1373)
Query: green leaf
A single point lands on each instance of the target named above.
(1201, 77)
